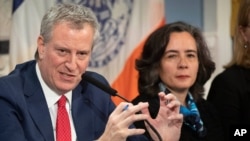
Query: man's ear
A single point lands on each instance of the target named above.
(40, 46)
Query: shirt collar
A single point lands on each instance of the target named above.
(50, 96)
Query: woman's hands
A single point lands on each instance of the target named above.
(169, 121)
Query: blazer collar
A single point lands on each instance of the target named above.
(82, 110)
(36, 103)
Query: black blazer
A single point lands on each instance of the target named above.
(209, 117)
(230, 93)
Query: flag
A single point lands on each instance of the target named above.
(26, 19)
(152, 17)
(5, 24)
(124, 26)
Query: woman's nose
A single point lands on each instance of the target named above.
(183, 63)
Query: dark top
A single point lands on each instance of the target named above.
(230, 93)
(24, 113)
(208, 115)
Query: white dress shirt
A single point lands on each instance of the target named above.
(51, 99)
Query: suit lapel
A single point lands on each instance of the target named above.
(37, 104)
(81, 112)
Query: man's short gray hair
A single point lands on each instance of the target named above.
(74, 14)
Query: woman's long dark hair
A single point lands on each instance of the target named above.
(149, 62)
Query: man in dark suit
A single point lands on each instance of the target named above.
(30, 93)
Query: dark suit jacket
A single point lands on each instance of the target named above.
(230, 93)
(24, 114)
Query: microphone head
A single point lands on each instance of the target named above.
(86, 76)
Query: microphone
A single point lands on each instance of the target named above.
(114, 92)
(101, 86)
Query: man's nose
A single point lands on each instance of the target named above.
(71, 62)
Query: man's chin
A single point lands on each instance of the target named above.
(67, 88)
